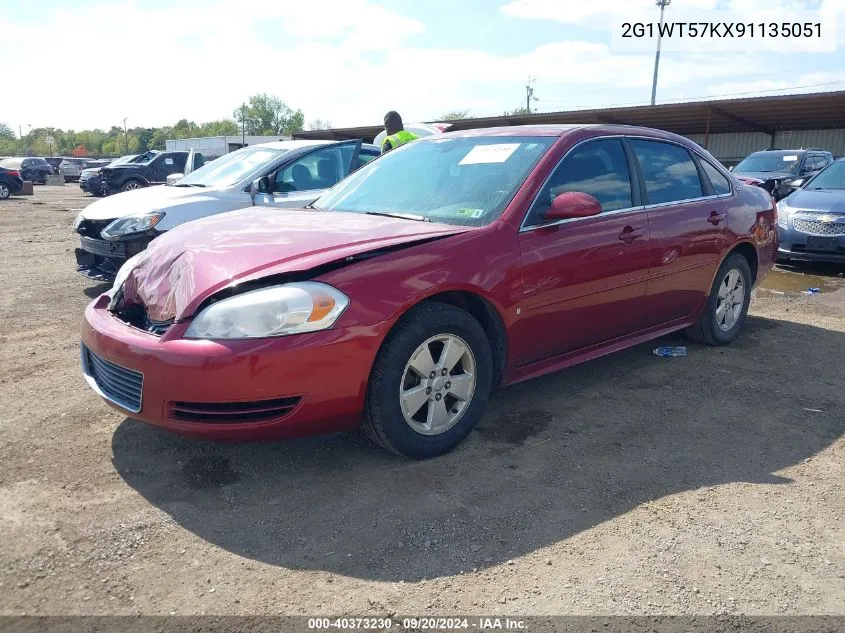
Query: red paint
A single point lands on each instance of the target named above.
(565, 293)
(573, 204)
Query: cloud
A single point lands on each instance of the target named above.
(349, 62)
(808, 82)
(590, 14)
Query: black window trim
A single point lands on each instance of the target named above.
(632, 175)
(636, 181)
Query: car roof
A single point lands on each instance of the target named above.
(562, 130)
(289, 145)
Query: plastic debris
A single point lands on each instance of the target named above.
(812, 410)
(666, 351)
(813, 291)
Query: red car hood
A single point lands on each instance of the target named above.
(182, 268)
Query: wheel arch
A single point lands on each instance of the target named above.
(480, 308)
(749, 252)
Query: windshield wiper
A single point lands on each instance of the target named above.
(185, 184)
(404, 216)
(310, 205)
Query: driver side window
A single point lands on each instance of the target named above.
(599, 168)
(318, 170)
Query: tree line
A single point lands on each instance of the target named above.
(261, 115)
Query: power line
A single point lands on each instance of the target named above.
(699, 98)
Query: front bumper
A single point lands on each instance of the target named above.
(93, 184)
(798, 245)
(101, 259)
(323, 373)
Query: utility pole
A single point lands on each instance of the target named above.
(20, 133)
(243, 125)
(529, 93)
(662, 4)
(125, 135)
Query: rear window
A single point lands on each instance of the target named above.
(668, 170)
(721, 185)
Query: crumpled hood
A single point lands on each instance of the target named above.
(182, 268)
(141, 201)
(831, 201)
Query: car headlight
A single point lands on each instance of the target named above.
(783, 215)
(131, 225)
(77, 221)
(276, 311)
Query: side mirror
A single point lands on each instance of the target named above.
(573, 204)
(262, 185)
(797, 183)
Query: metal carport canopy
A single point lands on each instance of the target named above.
(821, 110)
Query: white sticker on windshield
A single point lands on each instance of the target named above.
(498, 153)
(789, 159)
(168, 161)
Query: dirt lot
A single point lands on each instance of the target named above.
(628, 485)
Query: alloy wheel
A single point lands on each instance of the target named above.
(730, 300)
(437, 384)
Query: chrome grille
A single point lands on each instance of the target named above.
(817, 227)
(118, 384)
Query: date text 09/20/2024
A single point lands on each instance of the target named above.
(419, 624)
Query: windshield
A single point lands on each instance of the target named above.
(466, 181)
(769, 161)
(122, 160)
(146, 157)
(831, 178)
(231, 169)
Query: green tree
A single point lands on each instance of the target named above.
(521, 111)
(222, 127)
(319, 124)
(6, 132)
(455, 115)
(185, 129)
(267, 115)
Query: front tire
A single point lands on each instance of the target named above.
(430, 382)
(131, 185)
(727, 306)
(5, 192)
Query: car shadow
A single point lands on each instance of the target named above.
(551, 457)
(95, 291)
(819, 269)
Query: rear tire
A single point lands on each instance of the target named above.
(391, 419)
(5, 191)
(727, 306)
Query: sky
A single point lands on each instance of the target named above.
(90, 63)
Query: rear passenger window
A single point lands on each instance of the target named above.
(668, 171)
(717, 179)
(598, 168)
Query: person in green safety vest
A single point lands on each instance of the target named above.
(397, 135)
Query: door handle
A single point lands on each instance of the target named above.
(629, 234)
(715, 218)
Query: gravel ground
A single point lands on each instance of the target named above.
(628, 485)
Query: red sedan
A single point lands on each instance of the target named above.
(405, 294)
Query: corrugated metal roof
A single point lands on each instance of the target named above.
(821, 110)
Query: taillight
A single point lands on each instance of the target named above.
(15, 173)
